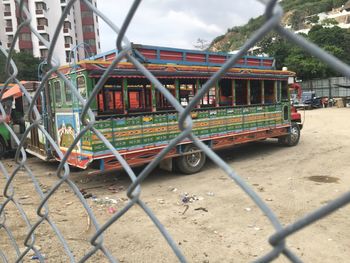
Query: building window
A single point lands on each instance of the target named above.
(42, 22)
(44, 53)
(68, 56)
(9, 23)
(40, 6)
(7, 8)
(46, 36)
(9, 39)
(68, 40)
(67, 25)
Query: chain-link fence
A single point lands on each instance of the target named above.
(273, 15)
(338, 87)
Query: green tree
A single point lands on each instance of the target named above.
(333, 40)
(26, 63)
(329, 22)
(313, 19)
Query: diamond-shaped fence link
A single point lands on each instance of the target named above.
(277, 240)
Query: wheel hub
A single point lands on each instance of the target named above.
(294, 134)
(193, 159)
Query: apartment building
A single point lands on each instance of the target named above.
(80, 26)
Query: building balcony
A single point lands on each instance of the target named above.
(40, 13)
(7, 13)
(68, 46)
(67, 31)
(41, 45)
(9, 29)
(42, 28)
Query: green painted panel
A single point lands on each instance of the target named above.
(148, 140)
(99, 147)
(119, 144)
(271, 108)
(221, 113)
(203, 114)
(160, 118)
(101, 125)
(172, 117)
(237, 111)
(134, 121)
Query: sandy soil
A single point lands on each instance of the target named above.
(223, 225)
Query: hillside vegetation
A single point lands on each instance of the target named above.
(329, 36)
(295, 13)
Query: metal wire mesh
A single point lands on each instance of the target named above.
(277, 240)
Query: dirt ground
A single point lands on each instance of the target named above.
(222, 224)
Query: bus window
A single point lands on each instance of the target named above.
(255, 92)
(187, 90)
(269, 91)
(208, 99)
(81, 84)
(278, 91)
(161, 102)
(241, 92)
(225, 92)
(58, 93)
(284, 90)
(110, 98)
(139, 95)
(68, 94)
(39, 103)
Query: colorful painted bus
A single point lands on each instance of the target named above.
(250, 102)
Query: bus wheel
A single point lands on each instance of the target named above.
(292, 138)
(192, 161)
(2, 147)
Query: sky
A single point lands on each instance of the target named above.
(175, 23)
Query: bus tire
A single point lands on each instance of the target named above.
(292, 138)
(190, 163)
(2, 147)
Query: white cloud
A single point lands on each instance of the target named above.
(175, 23)
(183, 19)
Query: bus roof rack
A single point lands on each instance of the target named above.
(167, 55)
